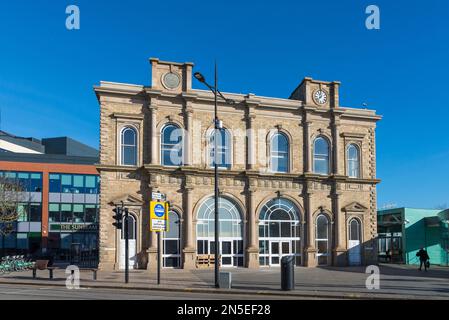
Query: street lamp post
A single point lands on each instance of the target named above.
(217, 127)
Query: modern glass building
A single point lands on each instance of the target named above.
(58, 209)
(403, 231)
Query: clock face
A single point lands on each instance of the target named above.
(171, 80)
(320, 96)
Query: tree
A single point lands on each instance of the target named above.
(11, 194)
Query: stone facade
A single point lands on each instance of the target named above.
(248, 183)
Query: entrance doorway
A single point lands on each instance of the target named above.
(132, 261)
(355, 254)
(279, 249)
(279, 232)
(231, 230)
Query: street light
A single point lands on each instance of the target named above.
(217, 127)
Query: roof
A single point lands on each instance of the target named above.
(49, 150)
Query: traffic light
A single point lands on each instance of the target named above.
(118, 217)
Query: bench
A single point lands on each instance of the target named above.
(205, 260)
(42, 265)
(94, 270)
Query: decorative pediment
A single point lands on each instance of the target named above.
(128, 200)
(355, 207)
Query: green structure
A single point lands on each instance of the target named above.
(403, 231)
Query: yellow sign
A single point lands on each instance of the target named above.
(158, 216)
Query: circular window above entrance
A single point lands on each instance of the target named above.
(171, 80)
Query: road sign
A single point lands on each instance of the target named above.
(158, 216)
(157, 196)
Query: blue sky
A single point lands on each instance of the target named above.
(266, 48)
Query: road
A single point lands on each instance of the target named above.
(32, 292)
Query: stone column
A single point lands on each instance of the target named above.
(252, 250)
(188, 135)
(340, 258)
(310, 251)
(189, 250)
(154, 135)
(335, 143)
(307, 148)
(152, 236)
(251, 146)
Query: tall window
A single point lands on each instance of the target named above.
(171, 242)
(353, 161)
(322, 239)
(223, 149)
(171, 145)
(354, 230)
(321, 156)
(279, 153)
(129, 147)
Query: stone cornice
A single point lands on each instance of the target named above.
(112, 167)
(352, 135)
(250, 174)
(119, 115)
(118, 88)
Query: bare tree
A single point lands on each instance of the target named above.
(11, 194)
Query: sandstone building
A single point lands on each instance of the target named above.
(297, 175)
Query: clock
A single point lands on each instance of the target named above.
(320, 96)
(171, 80)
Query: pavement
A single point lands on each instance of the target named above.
(396, 282)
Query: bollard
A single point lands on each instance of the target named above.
(288, 273)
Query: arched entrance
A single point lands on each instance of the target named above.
(132, 249)
(171, 242)
(354, 255)
(279, 232)
(322, 231)
(231, 231)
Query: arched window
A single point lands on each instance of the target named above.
(231, 231)
(132, 236)
(128, 146)
(279, 156)
(321, 156)
(354, 243)
(353, 161)
(354, 230)
(322, 239)
(171, 145)
(279, 232)
(223, 149)
(171, 254)
(131, 227)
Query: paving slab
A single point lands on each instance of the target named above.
(396, 281)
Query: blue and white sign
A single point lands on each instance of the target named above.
(159, 210)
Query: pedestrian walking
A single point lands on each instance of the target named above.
(423, 259)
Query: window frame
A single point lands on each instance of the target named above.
(226, 150)
(162, 145)
(358, 161)
(122, 145)
(271, 152)
(316, 157)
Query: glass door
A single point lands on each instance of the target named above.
(274, 253)
(226, 253)
(279, 249)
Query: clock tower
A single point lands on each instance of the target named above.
(321, 94)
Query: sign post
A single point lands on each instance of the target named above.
(159, 223)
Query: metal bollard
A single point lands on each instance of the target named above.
(288, 273)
